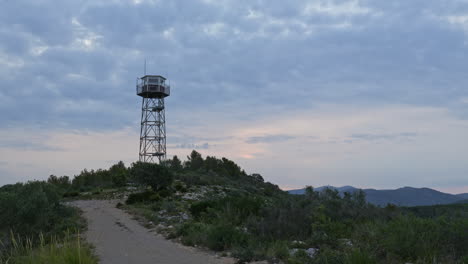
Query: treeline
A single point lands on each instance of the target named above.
(115, 176)
(195, 170)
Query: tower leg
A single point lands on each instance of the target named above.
(153, 130)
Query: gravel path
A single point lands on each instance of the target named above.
(120, 239)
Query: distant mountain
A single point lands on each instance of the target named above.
(463, 196)
(406, 196)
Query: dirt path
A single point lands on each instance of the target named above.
(119, 239)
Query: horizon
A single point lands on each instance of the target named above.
(286, 188)
(331, 92)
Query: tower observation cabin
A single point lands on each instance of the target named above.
(153, 89)
(153, 86)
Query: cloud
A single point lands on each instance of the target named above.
(192, 146)
(329, 53)
(378, 137)
(28, 146)
(268, 139)
(282, 86)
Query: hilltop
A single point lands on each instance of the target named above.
(211, 203)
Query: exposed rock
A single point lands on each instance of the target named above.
(293, 251)
(311, 252)
(346, 242)
(184, 216)
(298, 242)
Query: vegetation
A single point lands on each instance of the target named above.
(68, 250)
(35, 225)
(231, 211)
(213, 203)
(149, 174)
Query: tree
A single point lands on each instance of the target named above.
(231, 168)
(156, 176)
(258, 177)
(195, 160)
(176, 163)
(119, 174)
(360, 198)
(62, 182)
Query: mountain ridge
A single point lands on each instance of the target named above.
(404, 196)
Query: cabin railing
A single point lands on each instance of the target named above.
(153, 88)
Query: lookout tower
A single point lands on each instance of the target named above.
(153, 89)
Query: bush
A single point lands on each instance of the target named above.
(221, 237)
(156, 176)
(179, 186)
(300, 257)
(69, 250)
(329, 256)
(139, 197)
(278, 249)
(164, 193)
(71, 194)
(198, 208)
(360, 257)
(243, 253)
(169, 206)
(193, 233)
(33, 208)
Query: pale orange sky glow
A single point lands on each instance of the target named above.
(323, 147)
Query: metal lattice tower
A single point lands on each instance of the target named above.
(153, 89)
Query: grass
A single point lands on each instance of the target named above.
(68, 250)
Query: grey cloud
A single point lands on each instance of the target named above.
(269, 139)
(188, 138)
(377, 137)
(193, 146)
(384, 56)
(35, 146)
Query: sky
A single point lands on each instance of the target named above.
(372, 94)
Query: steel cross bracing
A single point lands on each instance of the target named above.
(153, 130)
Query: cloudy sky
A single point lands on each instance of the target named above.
(345, 92)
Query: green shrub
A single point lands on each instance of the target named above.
(359, 257)
(71, 194)
(193, 233)
(69, 250)
(154, 197)
(139, 197)
(221, 237)
(198, 208)
(33, 208)
(278, 250)
(156, 176)
(179, 186)
(300, 257)
(329, 256)
(169, 206)
(243, 253)
(164, 193)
